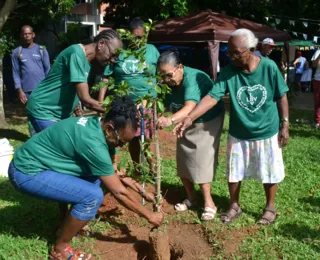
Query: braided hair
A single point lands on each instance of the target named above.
(122, 112)
(107, 35)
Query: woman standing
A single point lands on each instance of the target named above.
(129, 69)
(68, 161)
(259, 124)
(202, 138)
(58, 95)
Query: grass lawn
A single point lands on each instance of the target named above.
(27, 225)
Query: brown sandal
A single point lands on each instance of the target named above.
(266, 218)
(232, 214)
(73, 254)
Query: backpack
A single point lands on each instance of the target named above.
(41, 53)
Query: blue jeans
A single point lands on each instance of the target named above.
(84, 194)
(38, 124)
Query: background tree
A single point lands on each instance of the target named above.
(41, 14)
(121, 12)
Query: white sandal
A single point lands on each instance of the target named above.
(208, 214)
(185, 205)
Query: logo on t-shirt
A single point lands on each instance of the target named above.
(252, 98)
(82, 121)
(133, 67)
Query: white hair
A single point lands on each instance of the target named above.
(250, 39)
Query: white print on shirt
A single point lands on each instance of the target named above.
(35, 55)
(252, 98)
(133, 67)
(82, 121)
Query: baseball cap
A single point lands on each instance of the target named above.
(268, 41)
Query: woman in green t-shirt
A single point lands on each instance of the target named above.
(67, 162)
(197, 151)
(128, 69)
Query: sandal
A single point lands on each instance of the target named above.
(267, 218)
(208, 214)
(185, 205)
(73, 254)
(232, 214)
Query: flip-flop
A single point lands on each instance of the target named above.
(265, 220)
(208, 214)
(185, 205)
(230, 216)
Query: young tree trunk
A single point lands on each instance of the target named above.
(5, 11)
(158, 161)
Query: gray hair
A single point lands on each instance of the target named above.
(250, 39)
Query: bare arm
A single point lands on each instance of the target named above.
(295, 63)
(283, 108)
(114, 185)
(205, 105)
(164, 122)
(83, 94)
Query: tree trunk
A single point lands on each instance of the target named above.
(6, 10)
(3, 122)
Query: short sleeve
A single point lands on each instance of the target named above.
(77, 69)
(192, 87)
(108, 70)
(281, 86)
(98, 158)
(219, 88)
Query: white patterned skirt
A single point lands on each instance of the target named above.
(260, 159)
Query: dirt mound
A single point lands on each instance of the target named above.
(134, 240)
(186, 242)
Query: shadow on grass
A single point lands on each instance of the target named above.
(313, 203)
(304, 131)
(13, 135)
(24, 216)
(302, 233)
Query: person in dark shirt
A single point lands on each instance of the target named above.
(30, 64)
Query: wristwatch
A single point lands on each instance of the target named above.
(284, 119)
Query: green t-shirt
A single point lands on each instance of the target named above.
(74, 146)
(128, 69)
(195, 85)
(56, 97)
(253, 96)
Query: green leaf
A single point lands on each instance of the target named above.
(160, 107)
(158, 89)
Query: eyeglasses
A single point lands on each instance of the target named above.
(235, 55)
(113, 53)
(169, 75)
(119, 141)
